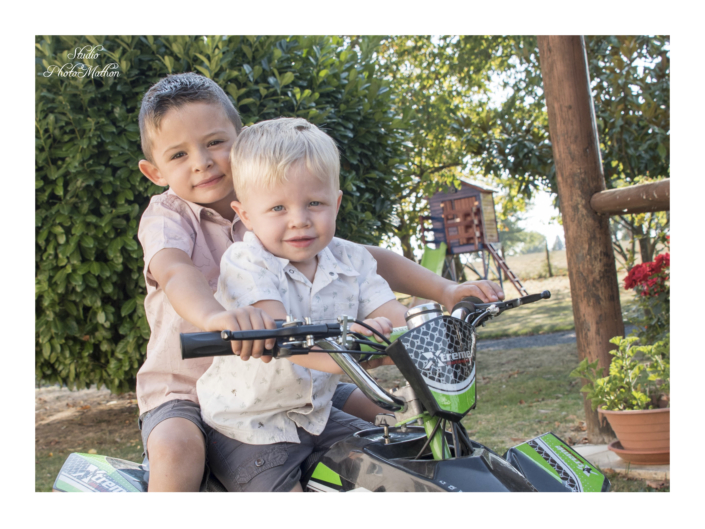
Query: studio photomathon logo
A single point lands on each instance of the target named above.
(80, 69)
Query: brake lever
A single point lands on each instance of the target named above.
(474, 307)
(513, 303)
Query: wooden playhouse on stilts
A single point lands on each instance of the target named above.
(463, 221)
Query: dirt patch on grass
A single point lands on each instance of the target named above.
(89, 421)
(83, 420)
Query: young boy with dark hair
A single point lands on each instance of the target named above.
(188, 126)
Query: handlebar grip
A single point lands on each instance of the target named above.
(257, 334)
(203, 344)
(535, 297)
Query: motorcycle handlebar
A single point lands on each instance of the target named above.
(205, 344)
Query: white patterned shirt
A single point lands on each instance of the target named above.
(258, 403)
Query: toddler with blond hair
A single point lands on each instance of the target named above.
(286, 177)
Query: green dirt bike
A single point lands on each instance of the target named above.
(419, 444)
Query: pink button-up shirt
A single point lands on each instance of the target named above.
(204, 235)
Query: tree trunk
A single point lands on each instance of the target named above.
(404, 237)
(579, 175)
(460, 269)
(646, 249)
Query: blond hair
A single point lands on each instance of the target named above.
(264, 152)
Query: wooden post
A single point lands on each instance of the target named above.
(591, 265)
(548, 259)
(641, 198)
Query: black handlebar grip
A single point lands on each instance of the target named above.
(535, 297)
(467, 304)
(472, 299)
(203, 344)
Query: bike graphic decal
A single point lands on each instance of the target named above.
(563, 463)
(566, 475)
(90, 473)
(324, 474)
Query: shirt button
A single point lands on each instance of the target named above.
(259, 462)
(291, 270)
(331, 273)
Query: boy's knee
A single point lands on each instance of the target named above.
(176, 439)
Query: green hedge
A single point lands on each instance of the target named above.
(90, 322)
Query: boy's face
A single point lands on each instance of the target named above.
(296, 219)
(191, 152)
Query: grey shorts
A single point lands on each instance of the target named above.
(186, 409)
(183, 409)
(342, 392)
(275, 467)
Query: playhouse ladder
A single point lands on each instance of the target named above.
(511, 275)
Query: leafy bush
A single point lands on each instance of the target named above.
(639, 376)
(90, 322)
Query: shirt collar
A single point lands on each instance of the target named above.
(203, 212)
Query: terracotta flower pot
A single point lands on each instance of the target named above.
(642, 430)
(637, 457)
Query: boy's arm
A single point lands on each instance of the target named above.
(393, 310)
(317, 361)
(191, 296)
(404, 275)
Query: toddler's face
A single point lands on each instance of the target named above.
(296, 219)
(191, 152)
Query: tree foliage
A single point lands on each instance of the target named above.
(444, 85)
(479, 110)
(90, 322)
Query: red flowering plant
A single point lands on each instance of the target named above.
(651, 281)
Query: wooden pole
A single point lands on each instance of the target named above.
(642, 198)
(548, 259)
(591, 265)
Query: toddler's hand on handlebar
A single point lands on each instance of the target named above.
(381, 324)
(487, 291)
(244, 319)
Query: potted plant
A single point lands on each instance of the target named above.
(634, 396)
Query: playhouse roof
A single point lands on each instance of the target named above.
(481, 187)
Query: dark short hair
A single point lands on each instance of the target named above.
(174, 91)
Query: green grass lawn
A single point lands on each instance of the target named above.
(523, 393)
(543, 317)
